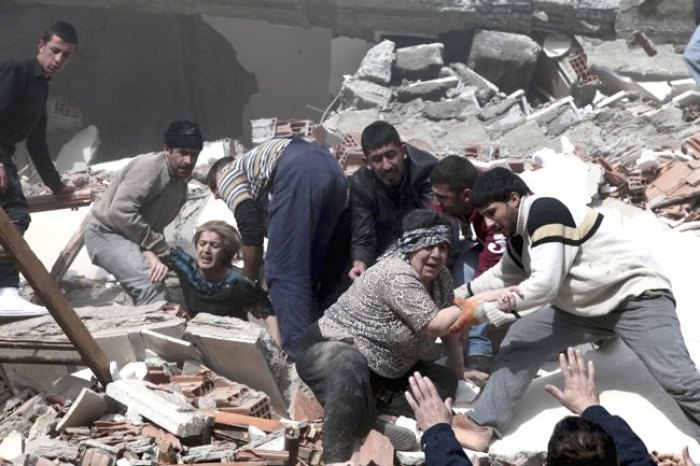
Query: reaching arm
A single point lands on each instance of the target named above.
(580, 396)
(251, 224)
(364, 235)
(434, 417)
(39, 152)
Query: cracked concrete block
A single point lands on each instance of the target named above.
(376, 65)
(419, 62)
(86, 409)
(242, 352)
(459, 136)
(508, 60)
(169, 410)
(509, 120)
(666, 119)
(352, 121)
(566, 119)
(472, 78)
(44, 425)
(495, 109)
(53, 449)
(434, 89)
(360, 94)
(523, 140)
(460, 108)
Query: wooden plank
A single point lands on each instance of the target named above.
(73, 200)
(40, 356)
(70, 252)
(54, 300)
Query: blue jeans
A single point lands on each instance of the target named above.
(308, 193)
(463, 268)
(123, 259)
(15, 206)
(691, 56)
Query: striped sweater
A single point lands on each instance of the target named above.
(250, 176)
(572, 257)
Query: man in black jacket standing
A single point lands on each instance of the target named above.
(24, 87)
(394, 181)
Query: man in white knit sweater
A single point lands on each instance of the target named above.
(587, 280)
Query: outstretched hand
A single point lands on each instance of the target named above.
(426, 404)
(674, 459)
(580, 390)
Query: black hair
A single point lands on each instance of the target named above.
(578, 442)
(456, 172)
(62, 29)
(496, 185)
(379, 134)
(423, 218)
(214, 169)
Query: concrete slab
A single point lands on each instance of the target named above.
(376, 64)
(171, 411)
(242, 352)
(115, 328)
(169, 348)
(86, 409)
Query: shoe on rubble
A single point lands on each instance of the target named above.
(401, 438)
(13, 305)
(470, 434)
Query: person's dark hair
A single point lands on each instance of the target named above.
(423, 218)
(578, 442)
(379, 134)
(496, 185)
(64, 30)
(456, 172)
(217, 167)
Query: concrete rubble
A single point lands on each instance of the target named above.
(589, 117)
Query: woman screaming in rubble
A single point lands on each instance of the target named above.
(212, 284)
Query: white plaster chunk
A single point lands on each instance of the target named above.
(170, 411)
(12, 446)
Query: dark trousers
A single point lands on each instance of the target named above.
(352, 395)
(308, 193)
(15, 206)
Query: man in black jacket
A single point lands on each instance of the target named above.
(24, 86)
(395, 180)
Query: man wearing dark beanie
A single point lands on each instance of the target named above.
(126, 234)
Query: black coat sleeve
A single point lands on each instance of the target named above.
(39, 152)
(442, 448)
(631, 451)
